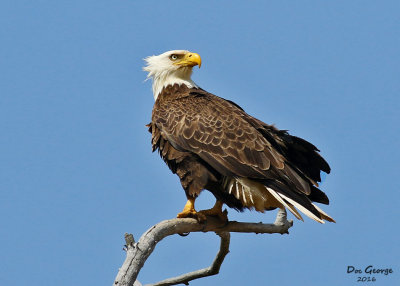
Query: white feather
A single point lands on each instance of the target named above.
(230, 187)
(244, 195)
(251, 198)
(288, 206)
(237, 191)
(164, 73)
(322, 212)
(303, 209)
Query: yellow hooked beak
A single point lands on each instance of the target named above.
(189, 60)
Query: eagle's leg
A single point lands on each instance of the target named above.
(216, 211)
(189, 211)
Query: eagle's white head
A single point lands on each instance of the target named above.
(170, 68)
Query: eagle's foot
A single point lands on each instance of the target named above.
(216, 211)
(193, 214)
(189, 211)
(221, 215)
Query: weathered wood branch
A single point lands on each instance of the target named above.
(137, 253)
(213, 269)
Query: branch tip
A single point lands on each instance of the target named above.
(129, 240)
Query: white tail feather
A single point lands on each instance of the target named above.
(303, 209)
(252, 195)
(288, 206)
(324, 215)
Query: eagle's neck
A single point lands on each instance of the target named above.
(164, 79)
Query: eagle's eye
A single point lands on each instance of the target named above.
(174, 57)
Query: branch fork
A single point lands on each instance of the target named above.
(137, 253)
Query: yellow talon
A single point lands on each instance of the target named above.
(216, 211)
(189, 211)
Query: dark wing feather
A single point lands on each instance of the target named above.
(301, 154)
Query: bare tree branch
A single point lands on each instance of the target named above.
(209, 271)
(137, 253)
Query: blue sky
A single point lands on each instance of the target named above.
(76, 168)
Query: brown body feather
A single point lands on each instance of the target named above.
(211, 143)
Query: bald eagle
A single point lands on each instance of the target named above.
(212, 144)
